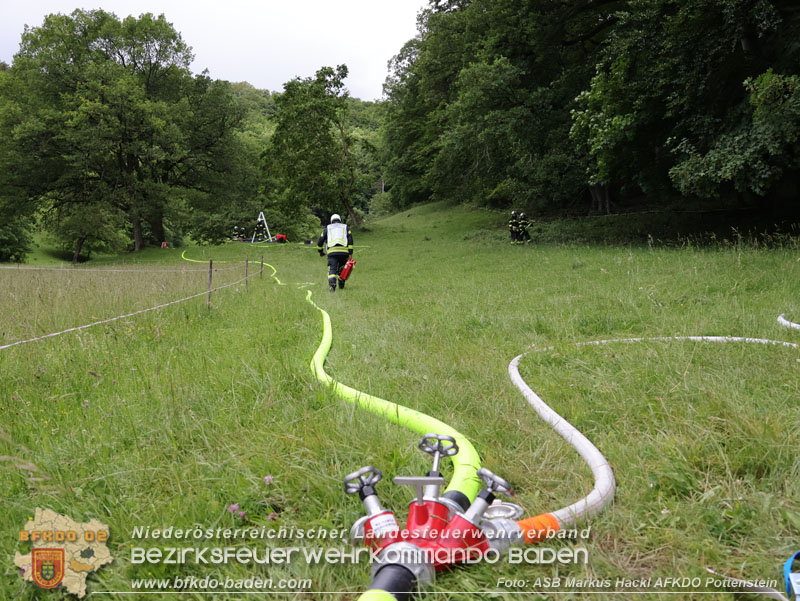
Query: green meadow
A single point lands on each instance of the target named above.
(171, 416)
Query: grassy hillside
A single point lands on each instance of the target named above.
(169, 417)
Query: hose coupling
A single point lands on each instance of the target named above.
(502, 534)
(408, 556)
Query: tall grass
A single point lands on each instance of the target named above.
(170, 417)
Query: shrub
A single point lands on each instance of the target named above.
(15, 241)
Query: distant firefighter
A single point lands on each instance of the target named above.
(338, 240)
(523, 226)
(261, 231)
(513, 226)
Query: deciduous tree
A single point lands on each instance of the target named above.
(310, 161)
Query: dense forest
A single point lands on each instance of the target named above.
(109, 142)
(553, 105)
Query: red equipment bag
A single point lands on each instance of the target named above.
(280, 238)
(348, 267)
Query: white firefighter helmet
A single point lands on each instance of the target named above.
(335, 217)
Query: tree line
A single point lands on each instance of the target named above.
(108, 141)
(575, 105)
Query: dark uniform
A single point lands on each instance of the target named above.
(524, 224)
(261, 231)
(338, 240)
(513, 226)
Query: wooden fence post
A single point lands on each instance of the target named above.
(210, 270)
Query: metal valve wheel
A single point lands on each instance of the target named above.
(494, 482)
(435, 443)
(366, 476)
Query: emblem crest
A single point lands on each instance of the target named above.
(48, 567)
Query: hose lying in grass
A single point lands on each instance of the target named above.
(603, 491)
(786, 323)
(464, 479)
(465, 464)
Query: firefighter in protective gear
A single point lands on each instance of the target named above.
(261, 231)
(522, 232)
(338, 241)
(513, 226)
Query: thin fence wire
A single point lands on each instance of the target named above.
(118, 317)
(82, 269)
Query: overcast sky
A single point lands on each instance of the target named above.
(266, 43)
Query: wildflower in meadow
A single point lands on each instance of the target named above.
(268, 479)
(233, 507)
